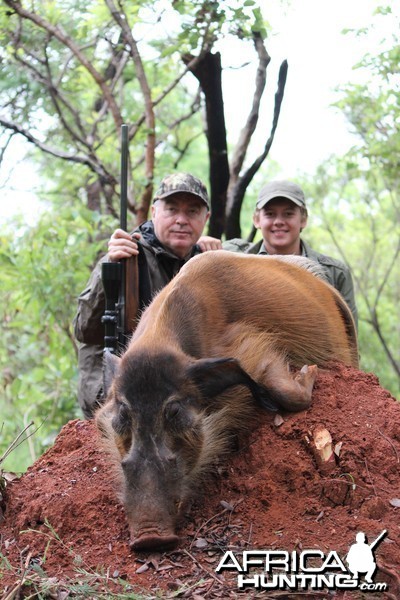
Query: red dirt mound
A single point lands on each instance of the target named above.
(271, 495)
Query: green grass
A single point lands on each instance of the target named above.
(32, 581)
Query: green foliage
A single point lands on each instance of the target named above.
(43, 269)
(362, 231)
(356, 200)
(206, 21)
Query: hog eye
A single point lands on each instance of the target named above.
(121, 422)
(178, 416)
(173, 410)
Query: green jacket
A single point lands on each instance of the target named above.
(336, 272)
(157, 266)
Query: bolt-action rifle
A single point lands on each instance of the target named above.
(120, 279)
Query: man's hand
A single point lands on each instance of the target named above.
(207, 243)
(122, 245)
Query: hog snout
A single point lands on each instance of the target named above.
(152, 500)
(153, 538)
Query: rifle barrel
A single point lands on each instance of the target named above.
(113, 275)
(124, 177)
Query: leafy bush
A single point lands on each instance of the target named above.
(43, 269)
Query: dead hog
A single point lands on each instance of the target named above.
(214, 344)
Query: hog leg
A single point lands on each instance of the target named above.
(257, 353)
(306, 378)
(291, 393)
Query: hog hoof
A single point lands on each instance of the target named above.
(304, 380)
(154, 541)
(306, 376)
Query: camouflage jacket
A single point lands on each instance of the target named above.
(336, 272)
(157, 266)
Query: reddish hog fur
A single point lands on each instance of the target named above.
(216, 343)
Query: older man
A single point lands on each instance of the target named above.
(281, 215)
(164, 244)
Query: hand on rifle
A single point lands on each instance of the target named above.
(122, 245)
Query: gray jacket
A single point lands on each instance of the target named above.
(337, 273)
(157, 266)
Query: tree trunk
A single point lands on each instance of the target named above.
(208, 72)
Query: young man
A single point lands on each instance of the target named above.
(281, 215)
(164, 244)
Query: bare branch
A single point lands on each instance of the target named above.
(59, 34)
(237, 191)
(193, 61)
(64, 68)
(248, 176)
(189, 67)
(55, 94)
(94, 165)
(182, 151)
(18, 441)
(121, 19)
(103, 110)
(377, 327)
(386, 276)
(174, 125)
(252, 120)
(4, 148)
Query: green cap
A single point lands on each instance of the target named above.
(281, 189)
(182, 182)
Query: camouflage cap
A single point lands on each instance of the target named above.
(182, 182)
(281, 189)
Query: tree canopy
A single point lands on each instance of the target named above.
(73, 72)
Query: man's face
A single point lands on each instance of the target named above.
(280, 222)
(179, 221)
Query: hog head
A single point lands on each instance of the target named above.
(159, 416)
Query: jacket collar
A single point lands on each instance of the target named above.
(259, 248)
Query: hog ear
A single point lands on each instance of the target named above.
(110, 370)
(214, 375)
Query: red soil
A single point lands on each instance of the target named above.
(269, 495)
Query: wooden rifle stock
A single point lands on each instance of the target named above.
(131, 294)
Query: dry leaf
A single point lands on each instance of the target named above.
(338, 448)
(279, 420)
(8, 476)
(142, 569)
(226, 505)
(395, 502)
